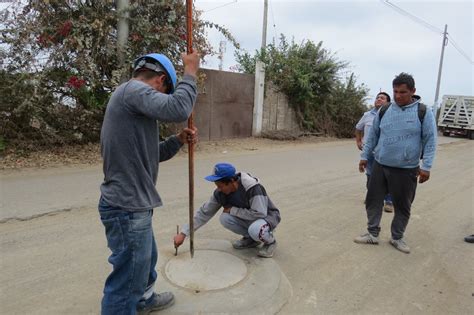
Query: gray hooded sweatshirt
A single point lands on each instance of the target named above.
(250, 202)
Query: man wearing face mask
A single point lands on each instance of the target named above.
(132, 151)
(362, 132)
(403, 133)
(248, 211)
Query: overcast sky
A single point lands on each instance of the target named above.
(378, 41)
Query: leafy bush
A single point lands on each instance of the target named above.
(60, 62)
(310, 76)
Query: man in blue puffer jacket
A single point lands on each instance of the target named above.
(398, 141)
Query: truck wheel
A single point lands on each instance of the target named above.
(446, 133)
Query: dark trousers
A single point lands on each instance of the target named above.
(401, 182)
(388, 197)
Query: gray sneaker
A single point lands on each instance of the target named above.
(400, 245)
(367, 238)
(267, 250)
(245, 242)
(388, 207)
(158, 301)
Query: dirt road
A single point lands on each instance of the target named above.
(56, 264)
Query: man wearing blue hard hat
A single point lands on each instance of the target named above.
(132, 151)
(248, 211)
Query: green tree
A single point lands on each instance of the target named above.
(60, 62)
(347, 104)
(310, 76)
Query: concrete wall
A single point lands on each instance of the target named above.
(277, 114)
(224, 107)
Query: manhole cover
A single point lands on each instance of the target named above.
(208, 270)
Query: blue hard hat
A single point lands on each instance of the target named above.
(163, 61)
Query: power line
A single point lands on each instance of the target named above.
(221, 6)
(273, 19)
(429, 26)
(462, 52)
(412, 17)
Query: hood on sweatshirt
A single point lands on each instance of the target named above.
(248, 181)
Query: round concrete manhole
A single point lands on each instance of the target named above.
(208, 270)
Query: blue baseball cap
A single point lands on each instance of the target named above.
(221, 170)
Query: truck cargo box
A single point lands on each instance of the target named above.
(455, 116)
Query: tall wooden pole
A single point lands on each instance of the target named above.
(189, 40)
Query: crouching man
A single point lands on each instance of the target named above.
(248, 211)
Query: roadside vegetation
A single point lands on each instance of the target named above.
(60, 64)
(326, 97)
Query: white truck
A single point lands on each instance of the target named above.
(456, 116)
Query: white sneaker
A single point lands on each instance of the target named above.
(245, 242)
(400, 245)
(267, 250)
(367, 238)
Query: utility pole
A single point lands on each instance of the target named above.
(222, 50)
(264, 28)
(438, 83)
(260, 81)
(122, 35)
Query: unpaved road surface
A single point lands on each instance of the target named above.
(57, 263)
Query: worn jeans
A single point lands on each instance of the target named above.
(402, 184)
(258, 230)
(134, 256)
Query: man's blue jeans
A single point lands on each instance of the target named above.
(134, 256)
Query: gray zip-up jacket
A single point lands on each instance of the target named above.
(250, 202)
(130, 144)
